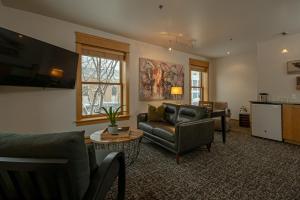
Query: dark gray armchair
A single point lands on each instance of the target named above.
(184, 128)
(57, 166)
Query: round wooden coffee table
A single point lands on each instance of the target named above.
(126, 141)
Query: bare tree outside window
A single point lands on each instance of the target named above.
(101, 84)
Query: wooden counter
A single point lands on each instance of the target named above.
(291, 123)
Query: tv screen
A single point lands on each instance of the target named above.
(25, 61)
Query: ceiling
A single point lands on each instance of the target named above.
(210, 23)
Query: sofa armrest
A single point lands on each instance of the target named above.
(142, 117)
(104, 176)
(192, 134)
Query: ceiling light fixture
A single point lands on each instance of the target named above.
(229, 46)
(284, 51)
(170, 46)
(176, 40)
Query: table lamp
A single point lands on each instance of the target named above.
(177, 91)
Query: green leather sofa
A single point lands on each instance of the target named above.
(185, 127)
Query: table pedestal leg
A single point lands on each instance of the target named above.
(223, 128)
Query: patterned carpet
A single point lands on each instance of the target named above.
(244, 168)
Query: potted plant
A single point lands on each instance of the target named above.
(112, 115)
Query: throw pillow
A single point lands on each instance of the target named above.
(156, 114)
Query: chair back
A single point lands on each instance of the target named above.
(29, 178)
(68, 145)
(220, 105)
(208, 104)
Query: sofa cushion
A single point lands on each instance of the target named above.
(160, 129)
(191, 113)
(68, 145)
(171, 111)
(165, 131)
(146, 126)
(156, 114)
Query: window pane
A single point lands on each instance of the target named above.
(196, 78)
(96, 69)
(95, 96)
(196, 96)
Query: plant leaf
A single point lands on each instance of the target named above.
(112, 115)
(107, 113)
(116, 113)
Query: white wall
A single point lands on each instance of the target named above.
(272, 68)
(240, 78)
(53, 110)
(236, 80)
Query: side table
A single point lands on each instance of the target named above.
(130, 144)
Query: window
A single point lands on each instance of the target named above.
(101, 84)
(101, 80)
(198, 81)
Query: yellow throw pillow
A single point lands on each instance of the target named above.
(156, 114)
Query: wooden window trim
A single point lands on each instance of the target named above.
(103, 45)
(96, 120)
(91, 40)
(199, 63)
(202, 66)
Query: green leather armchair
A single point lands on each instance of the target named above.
(57, 166)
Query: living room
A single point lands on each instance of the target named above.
(241, 52)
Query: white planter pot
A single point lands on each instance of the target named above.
(113, 130)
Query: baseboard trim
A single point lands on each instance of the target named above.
(292, 142)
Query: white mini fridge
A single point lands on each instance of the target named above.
(266, 120)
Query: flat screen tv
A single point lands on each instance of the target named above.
(25, 61)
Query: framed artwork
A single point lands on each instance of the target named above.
(157, 78)
(293, 67)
